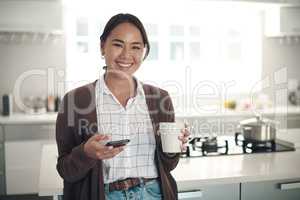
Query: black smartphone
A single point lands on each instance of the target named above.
(118, 143)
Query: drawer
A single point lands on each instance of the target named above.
(22, 181)
(275, 190)
(22, 164)
(217, 192)
(22, 154)
(29, 132)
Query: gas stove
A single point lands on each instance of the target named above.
(199, 146)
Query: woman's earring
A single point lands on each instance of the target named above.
(102, 57)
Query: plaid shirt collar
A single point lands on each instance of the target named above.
(105, 90)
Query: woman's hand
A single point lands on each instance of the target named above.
(184, 137)
(94, 148)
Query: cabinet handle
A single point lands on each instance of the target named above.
(289, 186)
(190, 195)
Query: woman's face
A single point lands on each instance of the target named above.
(124, 48)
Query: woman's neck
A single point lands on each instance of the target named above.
(124, 86)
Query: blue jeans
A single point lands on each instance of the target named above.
(144, 191)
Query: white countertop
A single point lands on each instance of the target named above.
(22, 118)
(191, 173)
(50, 118)
(277, 111)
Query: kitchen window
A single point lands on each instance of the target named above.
(215, 42)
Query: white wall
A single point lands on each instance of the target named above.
(281, 53)
(17, 57)
(20, 53)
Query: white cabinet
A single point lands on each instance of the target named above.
(23, 145)
(282, 21)
(289, 20)
(22, 166)
(263, 190)
(293, 2)
(275, 190)
(30, 16)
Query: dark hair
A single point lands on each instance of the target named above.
(121, 18)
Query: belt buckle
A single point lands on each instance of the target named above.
(127, 185)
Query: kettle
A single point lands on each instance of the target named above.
(258, 129)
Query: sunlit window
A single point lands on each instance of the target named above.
(191, 42)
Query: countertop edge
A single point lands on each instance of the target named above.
(50, 118)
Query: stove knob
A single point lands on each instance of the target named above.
(188, 154)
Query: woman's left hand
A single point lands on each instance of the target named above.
(184, 137)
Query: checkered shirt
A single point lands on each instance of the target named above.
(130, 122)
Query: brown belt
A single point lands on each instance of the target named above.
(128, 183)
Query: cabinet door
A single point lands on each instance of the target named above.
(31, 15)
(289, 22)
(224, 192)
(215, 192)
(29, 132)
(293, 2)
(275, 190)
(23, 146)
(22, 166)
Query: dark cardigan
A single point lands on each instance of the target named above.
(77, 122)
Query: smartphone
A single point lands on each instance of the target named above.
(118, 143)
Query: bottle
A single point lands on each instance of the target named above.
(57, 103)
(7, 103)
(50, 104)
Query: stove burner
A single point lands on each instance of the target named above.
(210, 142)
(207, 145)
(230, 145)
(250, 146)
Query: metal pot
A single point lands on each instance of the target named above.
(258, 129)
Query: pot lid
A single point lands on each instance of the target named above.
(257, 121)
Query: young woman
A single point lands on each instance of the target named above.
(117, 106)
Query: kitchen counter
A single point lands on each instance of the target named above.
(191, 173)
(194, 172)
(50, 118)
(276, 111)
(22, 118)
